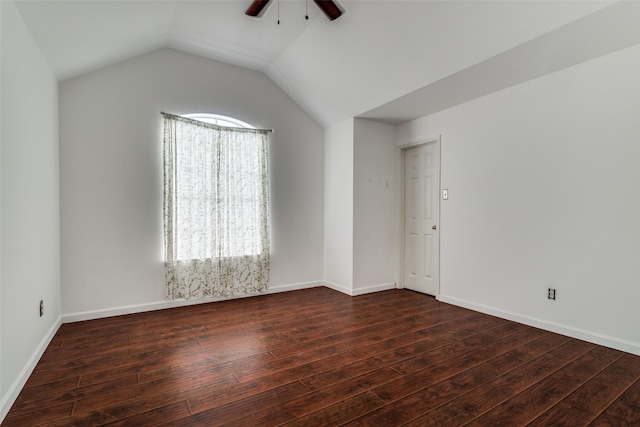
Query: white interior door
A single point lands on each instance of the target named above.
(422, 219)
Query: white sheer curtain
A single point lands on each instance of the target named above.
(216, 208)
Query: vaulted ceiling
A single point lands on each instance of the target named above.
(391, 60)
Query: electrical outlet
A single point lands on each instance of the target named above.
(41, 307)
(551, 294)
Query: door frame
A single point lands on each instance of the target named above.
(400, 204)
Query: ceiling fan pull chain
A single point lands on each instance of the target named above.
(306, 10)
(278, 12)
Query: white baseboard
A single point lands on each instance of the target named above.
(607, 341)
(295, 287)
(360, 291)
(160, 305)
(14, 390)
(374, 288)
(338, 288)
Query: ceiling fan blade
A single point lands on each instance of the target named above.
(330, 8)
(257, 8)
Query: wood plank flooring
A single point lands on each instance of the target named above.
(317, 357)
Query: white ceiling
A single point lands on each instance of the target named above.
(385, 59)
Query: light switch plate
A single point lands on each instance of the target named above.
(445, 194)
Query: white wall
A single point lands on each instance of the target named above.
(359, 194)
(111, 173)
(338, 206)
(29, 213)
(374, 184)
(544, 191)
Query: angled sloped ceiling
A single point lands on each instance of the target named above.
(609, 30)
(381, 50)
(378, 51)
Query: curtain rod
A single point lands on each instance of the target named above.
(211, 124)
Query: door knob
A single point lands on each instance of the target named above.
(433, 227)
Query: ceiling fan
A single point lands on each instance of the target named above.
(329, 7)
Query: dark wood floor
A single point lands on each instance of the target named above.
(320, 358)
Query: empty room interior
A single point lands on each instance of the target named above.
(476, 160)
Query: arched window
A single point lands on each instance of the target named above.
(220, 120)
(216, 203)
